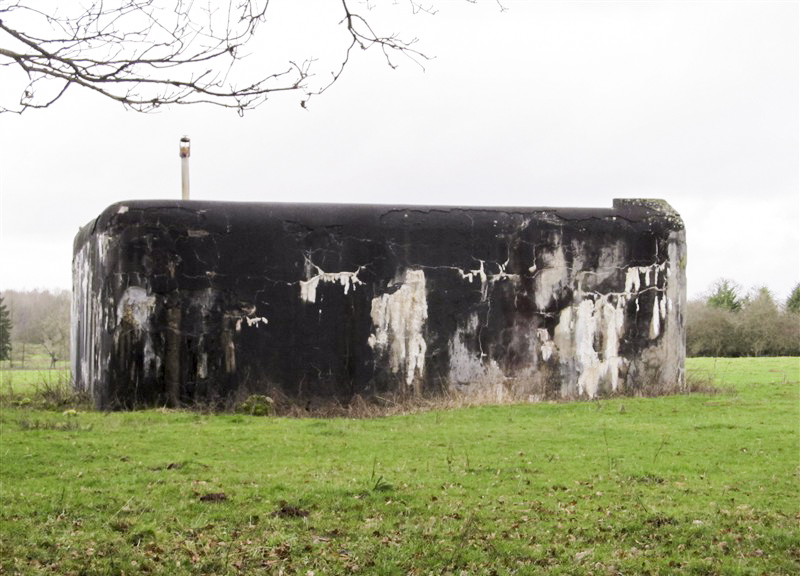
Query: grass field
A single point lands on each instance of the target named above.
(696, 484)
(32, 357)
(31, 381)
(30, 371)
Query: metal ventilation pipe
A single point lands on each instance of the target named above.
(184, 149)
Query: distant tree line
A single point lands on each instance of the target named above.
(38, 317)
(730, 323)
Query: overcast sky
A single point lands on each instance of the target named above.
(546, 104)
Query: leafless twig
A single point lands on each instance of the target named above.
(146, 54)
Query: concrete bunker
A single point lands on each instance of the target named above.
(179, 302)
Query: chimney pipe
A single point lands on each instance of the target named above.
(184, 149)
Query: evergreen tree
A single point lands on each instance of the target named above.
(793, 302)
(725, 296)
(5, 332)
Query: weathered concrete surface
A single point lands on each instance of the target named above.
(184, 301)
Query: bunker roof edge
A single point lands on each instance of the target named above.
(633, 209)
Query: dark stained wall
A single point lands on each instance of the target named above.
(177, 302)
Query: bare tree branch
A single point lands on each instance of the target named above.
(146, 54)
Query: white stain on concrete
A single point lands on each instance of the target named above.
(632, 280)
(466, 366)
(546, 346)
(133, 314)
(551, 278)
(86, 326)
(640, 277)
(399, 319)
(103, 241)
(480, 273)
(308, 288)
(471, 372)
(587, 336)
(135, 307)
(256, 320)
(607, 262)
(202, 365)
(488, 279)
(585, 328)
(502, 274)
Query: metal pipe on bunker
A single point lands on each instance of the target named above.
(184, 151)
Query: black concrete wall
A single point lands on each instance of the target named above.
(182, 301)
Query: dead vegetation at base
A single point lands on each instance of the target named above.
(270, 401)
(277, 403)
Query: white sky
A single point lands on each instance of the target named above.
(547, 104)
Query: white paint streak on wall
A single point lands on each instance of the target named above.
(588, 333)
(633, 276)
(308, 288)
(580, 329)
(585, 354)
(465, 366)
(502, 274)
(613, 326)
(229, 350)
(133, 313)
(486, 278)
(470, 372)
(85, 310)
(632, 280)
(479, 273)
(607, 262)
(202, 365)
(399, 318)
(546, 346)
(150, 355)
(655, 322)
(551, 278)
(103, 241)
(247, 318)
(562, 335)
(135, 307)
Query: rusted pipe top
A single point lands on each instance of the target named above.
(184, 147)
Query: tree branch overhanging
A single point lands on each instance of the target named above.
(146, 54)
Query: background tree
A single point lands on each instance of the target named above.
(54, 327)
(41, 317)
(710, 331)
(725, 324)
(725, 295)
(759, 324)
(793, 301)
(5, 332)
(149, 53)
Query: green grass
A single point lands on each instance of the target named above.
(26, 375)
(30, 381)
(32, 357)
(697, 484)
